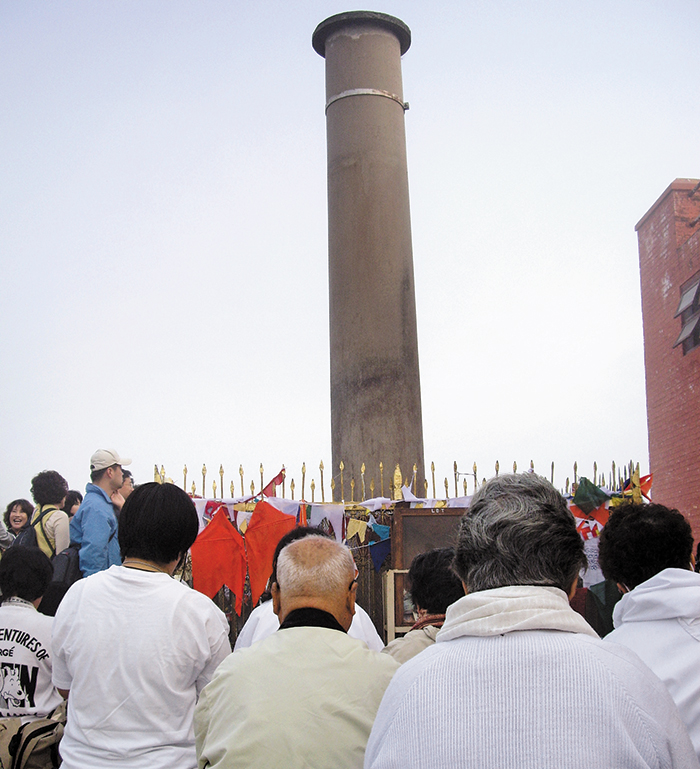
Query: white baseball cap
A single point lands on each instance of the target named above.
(103, 458)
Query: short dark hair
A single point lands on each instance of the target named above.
(157, 523)
(95, 475)
(518, 530)
(640, 540)
(127, 473)
(49, 488)
(25, 572)
(26, 506)
(72, 498)
(434, 585)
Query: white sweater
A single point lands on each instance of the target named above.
(660, 621)
(518, 680)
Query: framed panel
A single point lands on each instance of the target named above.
(413, 531)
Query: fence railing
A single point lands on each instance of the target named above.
(358, 489)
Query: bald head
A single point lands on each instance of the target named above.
(316, 572)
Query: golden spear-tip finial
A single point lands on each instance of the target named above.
(398, 483)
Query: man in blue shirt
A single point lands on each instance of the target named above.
(94, 526)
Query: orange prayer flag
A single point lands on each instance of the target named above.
(267, 526)
(218, 559)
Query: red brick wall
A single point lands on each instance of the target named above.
(669, 254)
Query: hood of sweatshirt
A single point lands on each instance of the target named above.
(670, 594)
(508, 609)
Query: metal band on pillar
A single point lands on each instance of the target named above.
(367, 92)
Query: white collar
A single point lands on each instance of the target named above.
(506, 609)
(15, 600)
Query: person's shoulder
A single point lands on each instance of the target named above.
(356, 651)
(632, 676)
(94, 497)
(411, 644)
(363, 628)
(196, 602)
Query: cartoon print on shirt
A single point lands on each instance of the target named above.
(17, 686)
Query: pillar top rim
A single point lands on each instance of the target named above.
(334, 23)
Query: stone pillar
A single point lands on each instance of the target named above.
(375, 383)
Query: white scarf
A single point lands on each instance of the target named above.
(516, 607)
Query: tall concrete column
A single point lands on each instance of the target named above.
(375, 383)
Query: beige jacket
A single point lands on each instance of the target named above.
(402, 649)
(304, 697)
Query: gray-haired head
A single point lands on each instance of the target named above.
(315, 566)
(518, 531)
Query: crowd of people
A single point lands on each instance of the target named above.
(498, 671)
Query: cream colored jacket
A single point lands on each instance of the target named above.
(303, 697)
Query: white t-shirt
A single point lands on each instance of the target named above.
(263, 622)
(25, 662)
(135, 648)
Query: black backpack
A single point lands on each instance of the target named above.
(27, 535)
(66, 565)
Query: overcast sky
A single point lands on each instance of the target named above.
(163, 230)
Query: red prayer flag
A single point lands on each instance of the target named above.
(218, 559)
(269, 490)
(600, 514)
(267, 526)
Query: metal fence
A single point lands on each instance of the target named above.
(351, 490)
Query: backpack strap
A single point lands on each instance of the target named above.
(40, 523)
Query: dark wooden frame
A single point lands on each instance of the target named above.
(401, 521)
